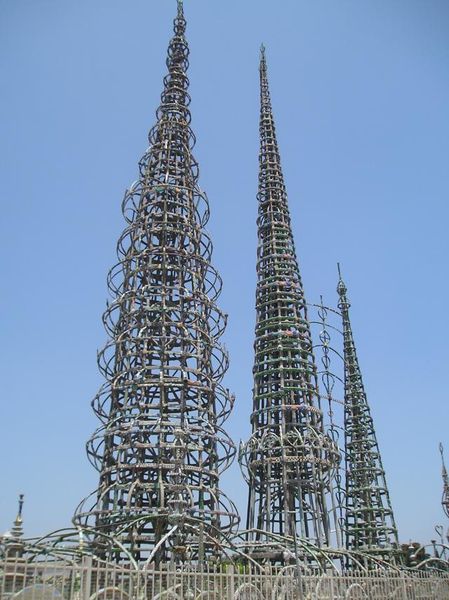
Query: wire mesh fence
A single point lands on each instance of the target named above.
(88, 580)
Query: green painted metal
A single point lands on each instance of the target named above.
(369, 522)
(289, 460)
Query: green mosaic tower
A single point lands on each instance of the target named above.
(289, 459)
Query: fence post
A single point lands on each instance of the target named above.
(331, 581)
(86, 577)
(404, 585)
(230, 582)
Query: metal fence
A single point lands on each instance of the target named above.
(21, 580)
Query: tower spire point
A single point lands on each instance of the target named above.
(17, 528)
(180, 6)
(445, 499)
(19, 514)
(341, 286)
(180, 9)
(263, 67)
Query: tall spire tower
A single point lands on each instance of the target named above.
(288, 460)
(370, 524)
(445, 497)
(161, 446)
(12, 540)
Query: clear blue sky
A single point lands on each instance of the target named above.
(360, 91)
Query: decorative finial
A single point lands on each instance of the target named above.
(441, 448)
(21, 497)
(341, 287)
(262, 51)
(17, 528)
(180, 7)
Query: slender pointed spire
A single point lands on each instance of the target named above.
(161, 447)
(12, 540)
(445, 498)
(17, 529)
(288, 457)
(370, 524)
(18, 522)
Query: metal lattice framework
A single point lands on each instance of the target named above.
(158, 525)
(369, 522)
(161, 447)
(289, 461)
(95, 580)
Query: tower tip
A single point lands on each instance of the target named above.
(341, 287)
(441, 449)
(262, 61)
(180, 4)
(262, 56)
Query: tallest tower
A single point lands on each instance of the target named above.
(161, 447)
(288, 460)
